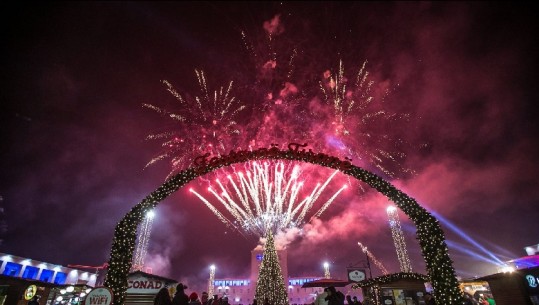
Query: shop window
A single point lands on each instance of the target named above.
(30, 273)
(46, 275)
(12, 269)
(60, 278)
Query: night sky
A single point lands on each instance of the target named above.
(74, 149)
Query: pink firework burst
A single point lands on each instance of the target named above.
(204, 123)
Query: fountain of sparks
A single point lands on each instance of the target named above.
(143, 240)
(398, 239)
(373, 258)
(266, 197)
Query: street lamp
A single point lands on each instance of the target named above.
(327, 275)
(211, 280)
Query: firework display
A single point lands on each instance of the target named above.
(285, 98)
(265, 196)
(211, 115)
(336, 112)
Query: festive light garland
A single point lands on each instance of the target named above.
(384, 279)
(398, 240)
(374, 259)
(429, 233)
(143, 241)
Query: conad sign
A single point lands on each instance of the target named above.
(144, 285)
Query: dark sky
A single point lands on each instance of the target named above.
(73, 156)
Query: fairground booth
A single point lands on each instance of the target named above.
(142, 287)
(19, 291)
(520, 287)
(22, 278)
(475, 289)
(395, 289)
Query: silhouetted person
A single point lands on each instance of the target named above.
(180, 298)
(321, 298)
(335, 297)
(193, 299)
(162, 297)
(204, 299)
(429, 299)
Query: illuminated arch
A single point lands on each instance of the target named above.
(430, 235)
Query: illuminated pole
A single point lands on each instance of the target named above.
(398, 239)
(143, 241)
(327, 275)
(211, 280)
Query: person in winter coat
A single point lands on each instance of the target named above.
(335, 297)
(180, 298)
(162, 297)
(321, 298)
(193, 299)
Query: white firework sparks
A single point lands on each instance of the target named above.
(266, 196)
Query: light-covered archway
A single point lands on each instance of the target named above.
(431, 237)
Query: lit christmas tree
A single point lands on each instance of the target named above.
(270, 284)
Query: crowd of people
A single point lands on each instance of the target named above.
(181, 298)
(330, 296)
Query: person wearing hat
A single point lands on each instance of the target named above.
(180, 298)
(193, 299)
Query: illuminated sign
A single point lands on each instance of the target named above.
(356, 275)
(30, 292)
(99, 296)
(531, 279)
(141, 284)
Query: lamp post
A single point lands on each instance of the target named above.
(327, 275)
(211, 280)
